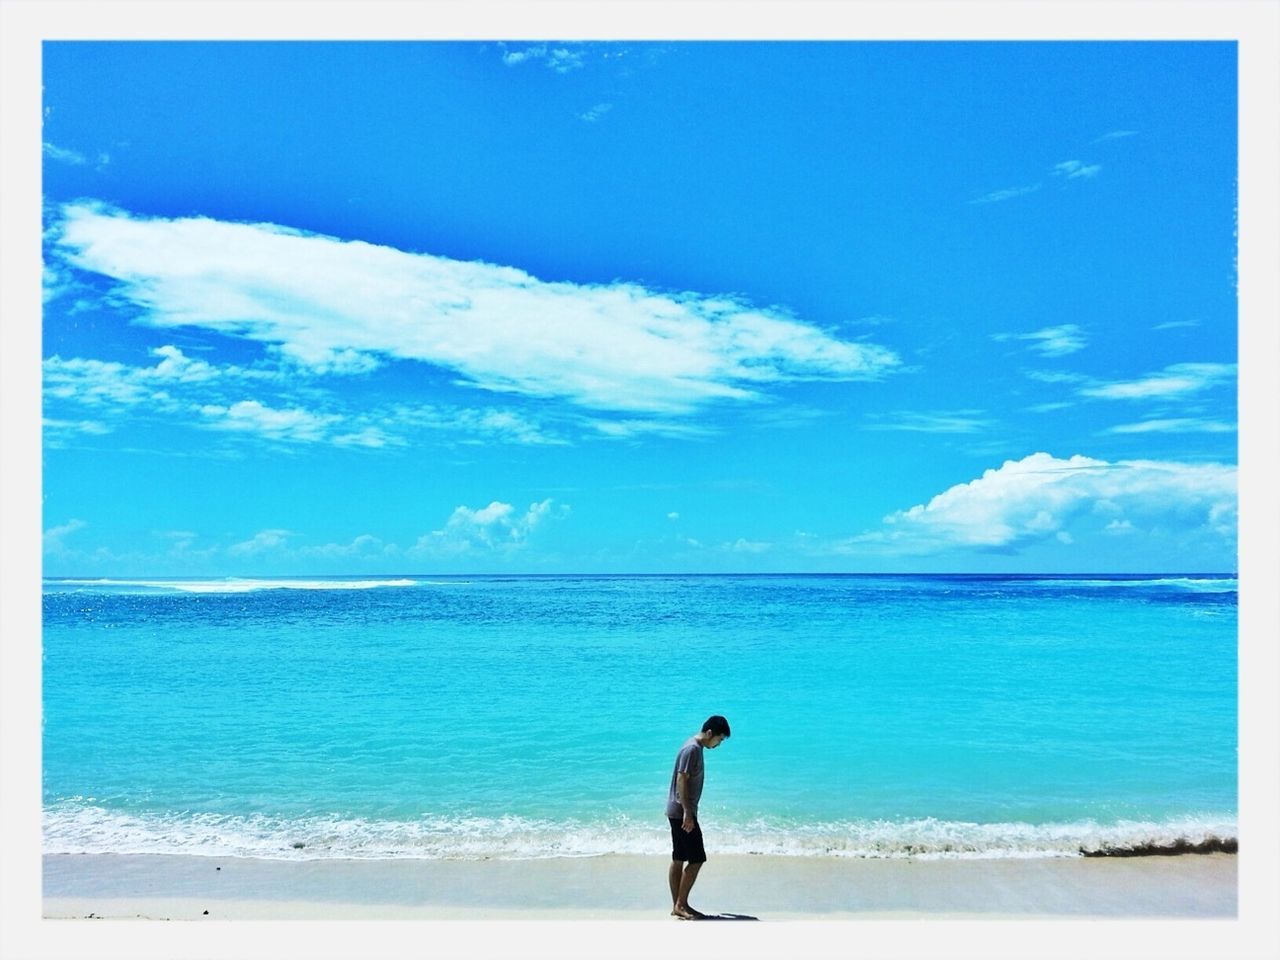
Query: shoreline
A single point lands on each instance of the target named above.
(633, 887)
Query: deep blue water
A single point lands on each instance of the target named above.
(538, 716)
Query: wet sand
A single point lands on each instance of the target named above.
(634, 888)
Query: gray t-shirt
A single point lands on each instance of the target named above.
(688, 760)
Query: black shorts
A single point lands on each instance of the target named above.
(686, 847)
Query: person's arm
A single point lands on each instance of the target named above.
(690, 811)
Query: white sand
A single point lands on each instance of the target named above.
(634, 888)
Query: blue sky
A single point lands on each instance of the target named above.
(320, 308)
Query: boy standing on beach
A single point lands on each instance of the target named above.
(687, 853)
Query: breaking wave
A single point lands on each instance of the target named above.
(73, 827)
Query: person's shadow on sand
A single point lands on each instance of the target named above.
(727, 916)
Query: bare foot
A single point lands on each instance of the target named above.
(687, 913)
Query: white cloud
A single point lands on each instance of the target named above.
(180, 540)
(96, 382)
(63, 155)
(742, 545)
(1054, 376)
(1074, 169)
(513, 57)
(176, 366)
(74, 157)
(54, 282)
(211, 397)
(1051, 341)
(628, 429)
(372, 437)
(497, 528)
(1007, 194)
(365, 546)
(1173, 381)
(596, 112)
(250, 416)
(75, 426)
(53, 537)
(341, 307)
(1039, 497)
(1049, 407)
(264, 541)
(559, 59)
(1175, 425)
(506, 425)
(564, 60)
(480, 425)
(673, 515)
(1116, 135)
(960, 421)
(1176, 324)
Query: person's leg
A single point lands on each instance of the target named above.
(673, 879)
(687, 879)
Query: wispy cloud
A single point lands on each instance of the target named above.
(180, 541)
(1055, 376)
(1050, 407)
(1008, 193)
(99, 382)
(52, 540)
(74, 157)
(1075, 169)
(596, 112)
(195, 393)
(264, 541)
(1116, 135)
(494, 533)
(959, 421)
(363, 548)
(514, 57)
(63, 155)
(1067, 169)
(1175, 425)
(250, 416)
(75, 426)
(1177, 380)
(340, 307)
(631, 429)
(564, 60)
(474, 425)
(561, 59)
(1176, 325)
(1051, 341)
(1039, 497)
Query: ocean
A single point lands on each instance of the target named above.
(538, 716)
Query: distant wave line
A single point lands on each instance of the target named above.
(232, 585)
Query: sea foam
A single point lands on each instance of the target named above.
(75, 828)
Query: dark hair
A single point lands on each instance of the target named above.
(716, 726)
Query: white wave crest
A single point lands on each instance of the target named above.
(1195, 584)
(229, 585)
(75, 827)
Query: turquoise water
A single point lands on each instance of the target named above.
(538, 716)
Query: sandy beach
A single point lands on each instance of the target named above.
(634, 888)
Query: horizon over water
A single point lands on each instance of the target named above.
(537, 715)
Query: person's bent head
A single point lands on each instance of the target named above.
(717, 726)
